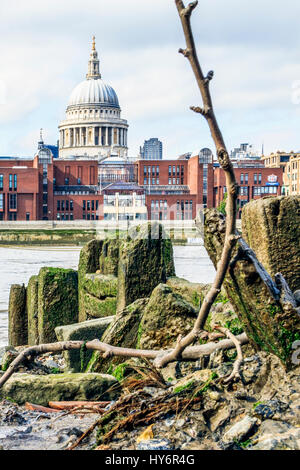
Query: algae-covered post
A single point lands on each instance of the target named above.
(17, 322)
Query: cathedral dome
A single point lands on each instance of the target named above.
(95, 92)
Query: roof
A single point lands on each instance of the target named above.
(53, 148)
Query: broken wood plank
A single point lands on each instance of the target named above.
(42, 409)
(69, 405)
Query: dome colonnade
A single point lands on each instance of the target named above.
(93, 125)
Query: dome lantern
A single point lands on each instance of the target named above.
(94, 64)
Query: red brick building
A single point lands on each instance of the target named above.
(79, 188)
(255, 181)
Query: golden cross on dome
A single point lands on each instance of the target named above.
(94, 43)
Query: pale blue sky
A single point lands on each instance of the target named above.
(253, 47)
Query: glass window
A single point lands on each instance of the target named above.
(1, 182)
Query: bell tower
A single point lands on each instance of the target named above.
(94, 64)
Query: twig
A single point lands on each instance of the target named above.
(235, 374)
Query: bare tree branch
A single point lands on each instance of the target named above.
(235, 374)
(190, 354)
(207, 112)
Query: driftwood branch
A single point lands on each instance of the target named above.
(235, 374)
(190, 354)
(207, 111)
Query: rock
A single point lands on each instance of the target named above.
(297, 297)
(98, 295)
(57, 301)
(155, 444)
(109, 257)
(165, 317)
(192, 292)
(123, 331)
(97, 275)
(194, 379)
(274, 435)
(268, 409)
(240, 430)
(9, 354)
(146, 260)
(271, 227)
(222, 314)
(32, 306)
(17, 316)
(40, 389)
(100, 285)
(84, 331)
(219, 418)
(88, 263)
(271, 323)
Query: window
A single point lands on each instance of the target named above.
(242, 178)
(15, 182)
(10, 182)
(12, 202)
(67, 181)
(170, 170)
(71, 205)
(246, 178)
(1, 182)
(1, 202)
(88, 205)
(58, 206)
(255, 178)
(84, 205)
(259, 178)
(62, 205)
(27, 215)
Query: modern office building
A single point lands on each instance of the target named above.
(152, 150)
